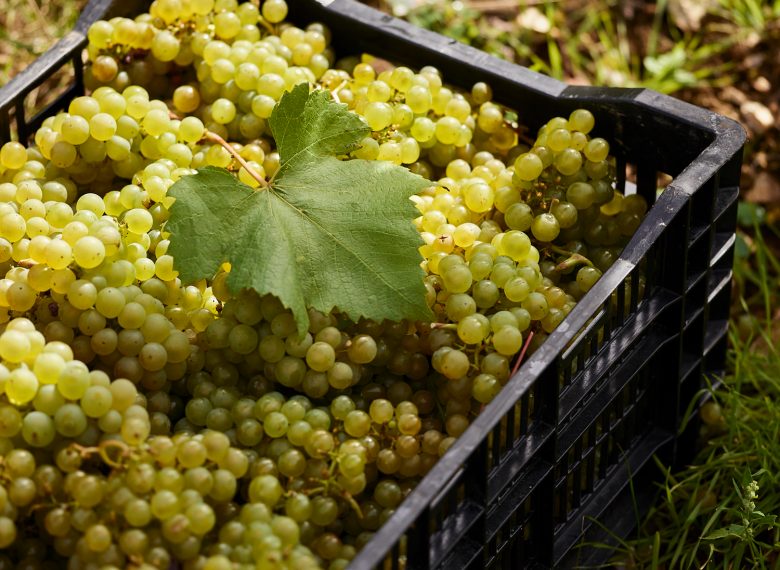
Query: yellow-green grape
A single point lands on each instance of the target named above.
(165, 46)
(596, 150)
(378, 115)
(568, 161)
(581, 120)
(13, 155)
(545, 227)
(528, 166)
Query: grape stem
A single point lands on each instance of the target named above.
(574, 260)
(263, 22)
(353, 503)
(214, 137)
(519, 360)
(335, 92)
(102, 450)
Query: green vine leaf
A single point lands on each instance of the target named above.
(326, 233)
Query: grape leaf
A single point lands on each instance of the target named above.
(326, 233)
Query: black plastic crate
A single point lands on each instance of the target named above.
(571, 437)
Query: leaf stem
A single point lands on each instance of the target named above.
(214, 137)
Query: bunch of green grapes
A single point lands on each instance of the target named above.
(152, 423)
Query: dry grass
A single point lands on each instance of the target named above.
(27, 29)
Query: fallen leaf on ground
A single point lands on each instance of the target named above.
(765, 190)
(757, 116)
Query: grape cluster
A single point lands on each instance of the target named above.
(150, 423)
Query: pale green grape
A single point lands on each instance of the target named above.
(545, 227)
(165, 46)
(581, 120)
(528, 166)
(13, 155)
(21, 386)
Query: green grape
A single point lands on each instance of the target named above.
(340, 375)
(558, 140)
(378, 115)
(536, 305)
(565, 213)
(454, 363)
(38, 429)
(486, 292)
(13, 155)
(298, 507)
(10, 421)
(423, 129)
(74, 380)
(201, 518)
(587, 277)
(528, 166)
(596, 150)
(21, 297)
(545, 227)
(381, 411)
(362, 350)
(357, 423)
(552, 319)
(64, 154)
(490, 117)
(568, 161)
(581, 120)
(265, 489)
(459, 306)
(102, 126)
(275, 424)
(75, 130)
(21, 386)
(320, 356)
(97, 401)
(516, 289)
(581, 194)
(89, 252)
(479, 197)
(165, 46)
(457, 279)
(341, 406)
(135, 430)
(8, 532)
(507, 340)
(409, 424)
(470, 330)
(515, 244)
(164, 504)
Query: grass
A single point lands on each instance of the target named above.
(590, 42)
(721, 510)
(27, 29)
